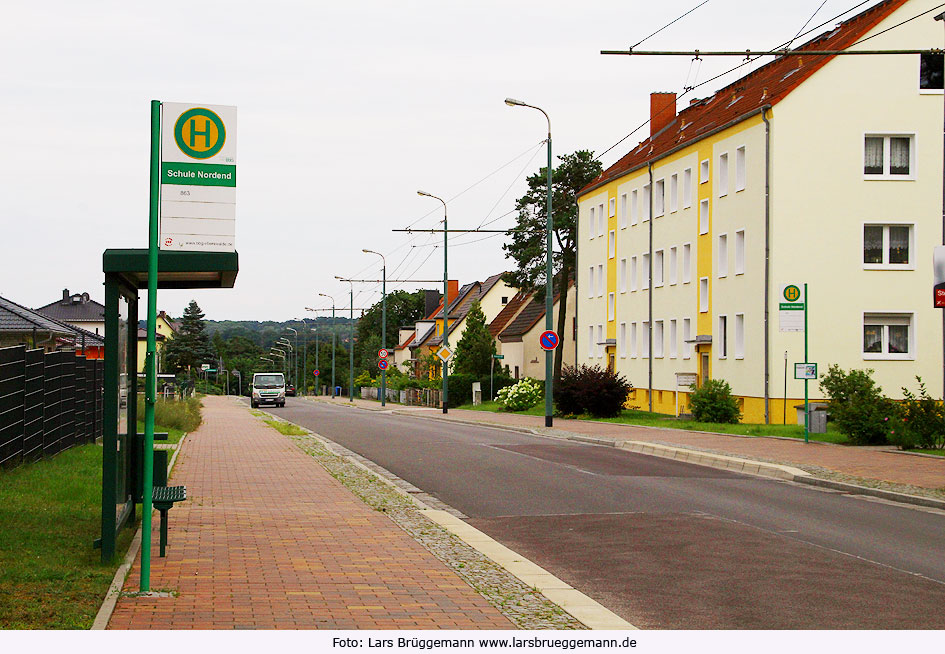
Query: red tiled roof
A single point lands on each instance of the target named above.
(407, 342)
(508, 311)
(745, 97)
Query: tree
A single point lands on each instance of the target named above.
(527, 246)
(191, 346)
(473, 355)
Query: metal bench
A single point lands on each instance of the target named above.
(163, 498)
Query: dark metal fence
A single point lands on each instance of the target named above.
(48, 403)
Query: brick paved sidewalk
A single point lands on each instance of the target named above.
(267, 539)
(868, 463)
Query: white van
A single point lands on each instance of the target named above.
(268, 388)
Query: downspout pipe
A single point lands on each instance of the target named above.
(764, 117)
(649, 332)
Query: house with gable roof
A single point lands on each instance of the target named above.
(816, 170)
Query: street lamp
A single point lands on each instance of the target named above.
(333, 346)
(549, 272)
(296, 369)
(383, 321)
(239, 381)
(445, 298)
(350, 339)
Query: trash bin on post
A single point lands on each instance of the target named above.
(477, 393)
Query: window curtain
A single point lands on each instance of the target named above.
(898, 339)
(873, 157)
(899, 244)
(873, 244)
(899, 156)
(872, 338)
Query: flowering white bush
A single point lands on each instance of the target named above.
(521, 396)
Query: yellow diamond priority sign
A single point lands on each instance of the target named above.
(444, 353)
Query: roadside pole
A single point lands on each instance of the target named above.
(806, 379)
(150, 371)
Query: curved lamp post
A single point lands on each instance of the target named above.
(383, 320)
(549, 270)
(296, 368)
(350, 339)
(445, 298)
(333, 346)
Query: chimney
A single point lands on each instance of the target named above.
(431, 299)
(65, 295)
(452, 291)
(662, 110)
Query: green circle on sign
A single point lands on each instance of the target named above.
(213, 142)
(792, 293)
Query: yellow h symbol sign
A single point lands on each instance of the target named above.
(194, 133)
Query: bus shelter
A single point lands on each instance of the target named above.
(126, 273)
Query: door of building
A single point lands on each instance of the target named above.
(705, 368)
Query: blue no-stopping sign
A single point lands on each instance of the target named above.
(549, 340)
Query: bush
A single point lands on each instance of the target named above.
(521, 396)
(364, 379)
(713, 402)
(179, 414)
(920, 421)
(596, 391)
(857, 405)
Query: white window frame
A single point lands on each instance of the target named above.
(645, 271)
(687, 263)
(601, 220)
(612, 244)
(634, 206)
(591, 346)
(622, 276)
(722, 345)
(633, 273)
(659, 199)
(623, 211)
(622, 340)
(673, 339)
(590, 283)
(740, 252)
(658, 268)
(723, 174)
(886, 265)
(674, 193)
(658, 339)
(645, 202)
(633, 340)
(885, 319)
(723, 256)
(687, 336)
(885, 175)
(687, 188)
(600, 341)
(611, 306)
(645, 338)
(612, 207)
(601, 282)
(673, 265)
(704, 216)
(739, 335)
(703, 295)
(741, 172)
(704, 171)
(593, 222)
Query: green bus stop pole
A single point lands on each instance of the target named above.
(150, 370)
(806, 380)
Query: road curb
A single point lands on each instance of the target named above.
(893, 496)
(118, 581)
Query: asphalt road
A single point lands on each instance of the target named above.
(661, 543)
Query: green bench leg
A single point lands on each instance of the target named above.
(163, 531)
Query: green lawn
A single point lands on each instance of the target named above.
(173, 435)
(647, 419)
(933, 452)
(50, 512)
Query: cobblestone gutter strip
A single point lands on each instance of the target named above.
(524, 606)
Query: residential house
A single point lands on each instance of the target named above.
(77, 309)
(22, 326)
(812, 169)
(165, 329)
(524, 323)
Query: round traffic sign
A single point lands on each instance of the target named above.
(315, 372)
(382, 364)
(792, 293)
(549, 340)
(383, 353)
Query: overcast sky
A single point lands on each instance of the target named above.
(346, 109)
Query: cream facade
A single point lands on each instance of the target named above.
(835, 183)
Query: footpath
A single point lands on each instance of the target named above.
(268, 539)
(882, 467)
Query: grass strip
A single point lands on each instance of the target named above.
(50, 512)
